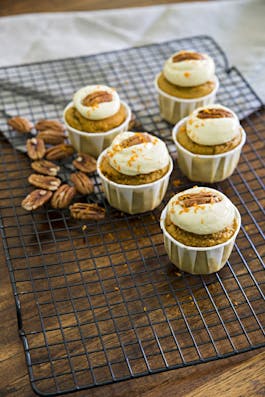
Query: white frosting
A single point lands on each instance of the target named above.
(101, 110)
(189, 73)
(204, 218)
(212, 131)
(138, 159)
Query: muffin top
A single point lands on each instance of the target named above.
(133, 153)
(212, 125)
(189, 68)
(201, 210)
(96, 102)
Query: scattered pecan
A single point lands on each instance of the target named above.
(86, 163)
(55, 125)
(63, 196)
(59, 152)
(20, 124)
(87, 211)
(187, 56)
(44, 182)
(35, 148)
(45, 167)
(82, 182)
(97, 97)
(136, 139)
(189, 200)
(36, 199)
(212, 113)
(52, 137)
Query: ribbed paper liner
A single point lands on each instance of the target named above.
(135, 199)
(207, 168)
(173, 109)
(94, 143)
(204, 260)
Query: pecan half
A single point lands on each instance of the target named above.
(52, 137)
(59, 152)
(35, 148)
(82, 182)
(45, 167)
(20, 124)
(44, 182)
(212, 113)
(86, 163)
(55, 125)
(87, 211)
(136, 139)
(63, 196)
(187, 56)
(36, 199)
(97, 97)
(189, 200)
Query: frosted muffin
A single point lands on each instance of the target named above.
(209, 143)
(200, 226)
(135, 172)
(95, 117)
(186, 82)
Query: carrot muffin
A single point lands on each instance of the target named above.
(135, 171)
(199, 227)
(135, 158)
(96, 108)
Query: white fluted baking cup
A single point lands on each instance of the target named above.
(204, 167)
(173, 109)
(198, 260)
(134, 199)
(95, 142)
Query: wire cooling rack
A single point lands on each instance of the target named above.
(102, 303)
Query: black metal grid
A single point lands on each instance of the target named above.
(104, 304)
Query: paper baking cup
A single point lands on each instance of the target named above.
(94, 142)
(173, 109)
(207, 168)
(134, 199)
(198, 260)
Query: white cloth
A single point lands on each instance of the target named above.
(237, 25)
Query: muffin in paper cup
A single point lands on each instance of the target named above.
(94, 143)
(134, 198)
(206, 167)
(173, 109)
(198, 260)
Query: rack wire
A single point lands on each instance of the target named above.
(102, 303)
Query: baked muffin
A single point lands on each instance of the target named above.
(186, 82)
(95, 117)
(200, 226)
(135, 172)
(209, 143)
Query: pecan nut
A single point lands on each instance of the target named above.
(55, 125)
(212, 113)
(82, 182)
(96, 98)
(59, 152)
(136, 139)
(36, 199)
(187, 56)
(20, 124)
(52, 137)
(86, 163)
(35, 148)
(44, 182)
(45, 167)
(190, 200)
(87, 211)
(63, 196)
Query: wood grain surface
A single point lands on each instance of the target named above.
(11, 7)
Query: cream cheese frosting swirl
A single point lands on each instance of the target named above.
(201, 210)
(134, 153)
(189, 69)
(212, 125)
(96, 102)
